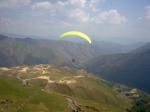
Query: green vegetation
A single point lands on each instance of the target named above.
(14, 97)
(142, 104)
(48, 87)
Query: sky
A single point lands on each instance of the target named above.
(112, 20)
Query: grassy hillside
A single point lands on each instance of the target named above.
(14, 97)
(47, 88)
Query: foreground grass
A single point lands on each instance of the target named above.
(14, 97)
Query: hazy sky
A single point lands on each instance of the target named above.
(122, 20)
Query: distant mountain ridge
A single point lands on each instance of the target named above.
(129, 68)
(19, 51)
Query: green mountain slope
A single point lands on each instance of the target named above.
(47, 88)
(14, 97)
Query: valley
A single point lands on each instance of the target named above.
(43, 71)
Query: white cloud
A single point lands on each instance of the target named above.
(86, 11)
(93, 4)
(112, 16)
(80, 15)
(14, 3)
(148, 12)
(80, 11)
(42, 5)
(78, 3)
(62, 3)
(106, 17)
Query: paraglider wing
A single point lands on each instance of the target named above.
(76, 33)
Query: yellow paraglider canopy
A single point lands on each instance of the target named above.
(76, 33)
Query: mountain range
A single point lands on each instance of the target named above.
(38, 74)
(114, 62)
(131, 68)
(19, 51)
